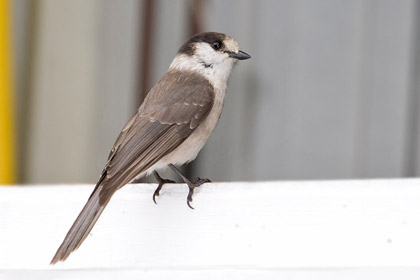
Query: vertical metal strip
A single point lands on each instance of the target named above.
(145, 67)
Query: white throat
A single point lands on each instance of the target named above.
(216, 68)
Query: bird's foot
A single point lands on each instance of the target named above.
(161, 183)
(191, 185)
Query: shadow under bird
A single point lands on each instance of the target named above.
(168, 130)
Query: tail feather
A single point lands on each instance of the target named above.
(81, 227)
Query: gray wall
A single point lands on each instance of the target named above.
(331, 90)
(326, 94)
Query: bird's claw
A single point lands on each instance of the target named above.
(192, 185)
(201, 181)
(161, 183)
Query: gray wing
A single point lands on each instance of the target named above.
(175, 106)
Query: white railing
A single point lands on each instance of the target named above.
(364, 229)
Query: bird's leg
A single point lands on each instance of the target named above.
(161, 183)
(191, 185)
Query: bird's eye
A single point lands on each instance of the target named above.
(216, 45)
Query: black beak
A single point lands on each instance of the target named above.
(240, 55)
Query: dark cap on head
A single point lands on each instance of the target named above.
(207, 37)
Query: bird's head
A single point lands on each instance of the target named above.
(210, 54)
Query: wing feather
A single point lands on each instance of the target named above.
(170, 113)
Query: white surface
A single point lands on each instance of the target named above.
(218, 273)
(305, 229)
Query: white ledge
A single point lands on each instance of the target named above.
(366, 226)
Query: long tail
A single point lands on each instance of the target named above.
(82, 226)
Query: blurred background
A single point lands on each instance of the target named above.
(332, 89)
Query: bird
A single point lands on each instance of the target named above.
(168, 130)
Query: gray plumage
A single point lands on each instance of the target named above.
(171, 126)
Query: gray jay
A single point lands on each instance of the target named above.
(168, 130)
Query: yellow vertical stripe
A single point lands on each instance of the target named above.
(7, 141)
